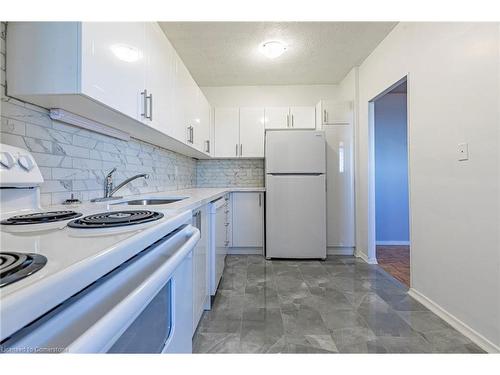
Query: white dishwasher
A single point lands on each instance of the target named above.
(219, 222)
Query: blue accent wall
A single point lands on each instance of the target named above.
(391, 169)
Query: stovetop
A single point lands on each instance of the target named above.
(40, 217)
(16, 266)
(115, 219)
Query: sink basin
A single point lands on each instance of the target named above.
(151, 201)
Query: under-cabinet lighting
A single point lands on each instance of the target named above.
(85, 123)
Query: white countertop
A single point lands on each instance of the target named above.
(77, 258)
(196, 197)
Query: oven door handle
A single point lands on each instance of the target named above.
(101, 336)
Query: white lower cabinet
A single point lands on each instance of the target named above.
(248, 219)
(201, 263)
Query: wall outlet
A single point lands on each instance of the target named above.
(463, 151)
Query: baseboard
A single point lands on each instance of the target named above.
(393, 243)
(245, 251)
(337, 250)
(456, 323)
(359, 254)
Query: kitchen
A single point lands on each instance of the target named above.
(146, 211)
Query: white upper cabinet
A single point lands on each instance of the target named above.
(158, 92)
(299, 117)
(251, 132)
(114, 60)
(277, 117)
(335, 112)
(200, 124)
(303, 117)
(121, 74)
(239, 132)
(226, 129)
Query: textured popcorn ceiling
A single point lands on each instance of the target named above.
(226, 53)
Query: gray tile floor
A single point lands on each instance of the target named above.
(341, 305)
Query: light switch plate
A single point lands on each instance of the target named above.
(463, 151)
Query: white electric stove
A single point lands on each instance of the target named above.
(87, 277)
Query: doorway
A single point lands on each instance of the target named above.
(392, 229)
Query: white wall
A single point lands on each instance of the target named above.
(453, 89)
(261, 96)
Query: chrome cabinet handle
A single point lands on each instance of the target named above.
(324, 116)
(287, 121)
(144, 103)
(192, 134)
(236, 149)
(150, 107)
(260, 200)
(241, 149)
(292, 121)
(207, 144)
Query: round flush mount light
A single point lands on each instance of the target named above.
(126, 53)
(273, 49)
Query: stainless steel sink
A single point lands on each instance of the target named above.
(151, 201)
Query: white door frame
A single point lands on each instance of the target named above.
(372, 247)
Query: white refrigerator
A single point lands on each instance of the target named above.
(295, 194)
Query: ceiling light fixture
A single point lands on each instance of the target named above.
(126, 53)
(273, 49)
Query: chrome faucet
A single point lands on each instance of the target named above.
(108, 186)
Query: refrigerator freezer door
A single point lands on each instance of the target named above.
(295, 216)
(295, 151)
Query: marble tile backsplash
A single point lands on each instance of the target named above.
(75, 161)
(233, 172)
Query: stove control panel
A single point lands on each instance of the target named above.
(7, 160)
(26, 162)
(18, 168)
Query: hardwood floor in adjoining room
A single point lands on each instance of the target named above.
(395, 260)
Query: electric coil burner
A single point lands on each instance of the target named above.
(41, 218)
(17, 266)
(116, 219)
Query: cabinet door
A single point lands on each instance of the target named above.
(252, 132)
(113, 64)
(340, 185)
(226, 130)
(178, 127)
(159, 78)
(303, 117)
(277, 117)
(202, 123)
(336, 112)
(200, 267)
(248, 219)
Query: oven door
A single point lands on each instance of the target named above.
(140, 307)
